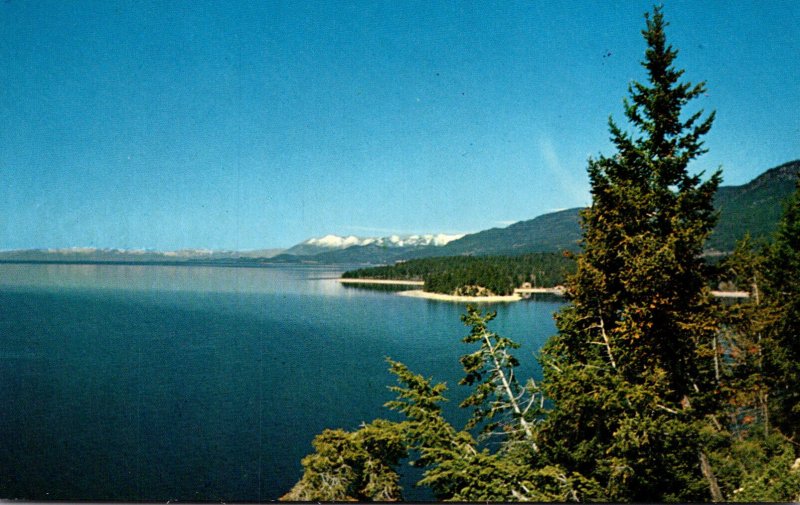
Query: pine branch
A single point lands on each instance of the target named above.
(606, 342)
(507, 387)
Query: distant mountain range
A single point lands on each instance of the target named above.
(552, 232)
(374, 250)
(330, 243)
(754, 207)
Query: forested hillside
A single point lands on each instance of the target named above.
(753, 208)
(553, 232)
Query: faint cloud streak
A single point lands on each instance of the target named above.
(565, 181)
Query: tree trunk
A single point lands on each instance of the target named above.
(708, 473)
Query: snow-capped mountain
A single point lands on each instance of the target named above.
(335, 242)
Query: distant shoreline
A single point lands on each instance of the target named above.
(382, 281)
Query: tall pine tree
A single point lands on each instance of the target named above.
(631, 372)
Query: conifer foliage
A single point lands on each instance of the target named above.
(782, 349)
(758, 460)
(490, 370)
(631, 369)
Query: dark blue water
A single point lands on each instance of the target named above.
(193, 383)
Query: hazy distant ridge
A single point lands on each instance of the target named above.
(92, 254)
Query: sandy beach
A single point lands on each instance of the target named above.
(418, 293)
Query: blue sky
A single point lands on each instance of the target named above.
(244, 125)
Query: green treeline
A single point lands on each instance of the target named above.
(652, 390)
(458, 274)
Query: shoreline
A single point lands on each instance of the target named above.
(517, 296)
(382, 281)
(418, 293)
(555, 290)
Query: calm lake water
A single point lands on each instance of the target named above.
(159, 383)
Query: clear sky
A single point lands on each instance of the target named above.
(244, 125)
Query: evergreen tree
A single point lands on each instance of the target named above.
(782, 348)
(758, 458)
(745, 329)
(353, 466)
(631, 371)
(457, 466)
(498, 394)
(362, 465)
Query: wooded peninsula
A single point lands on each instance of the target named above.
(477, 275)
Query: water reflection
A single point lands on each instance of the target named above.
(386, 288)
(220, 279)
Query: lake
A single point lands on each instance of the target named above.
(156, 383)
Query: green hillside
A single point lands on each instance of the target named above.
(754, 207)
(552, 232)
